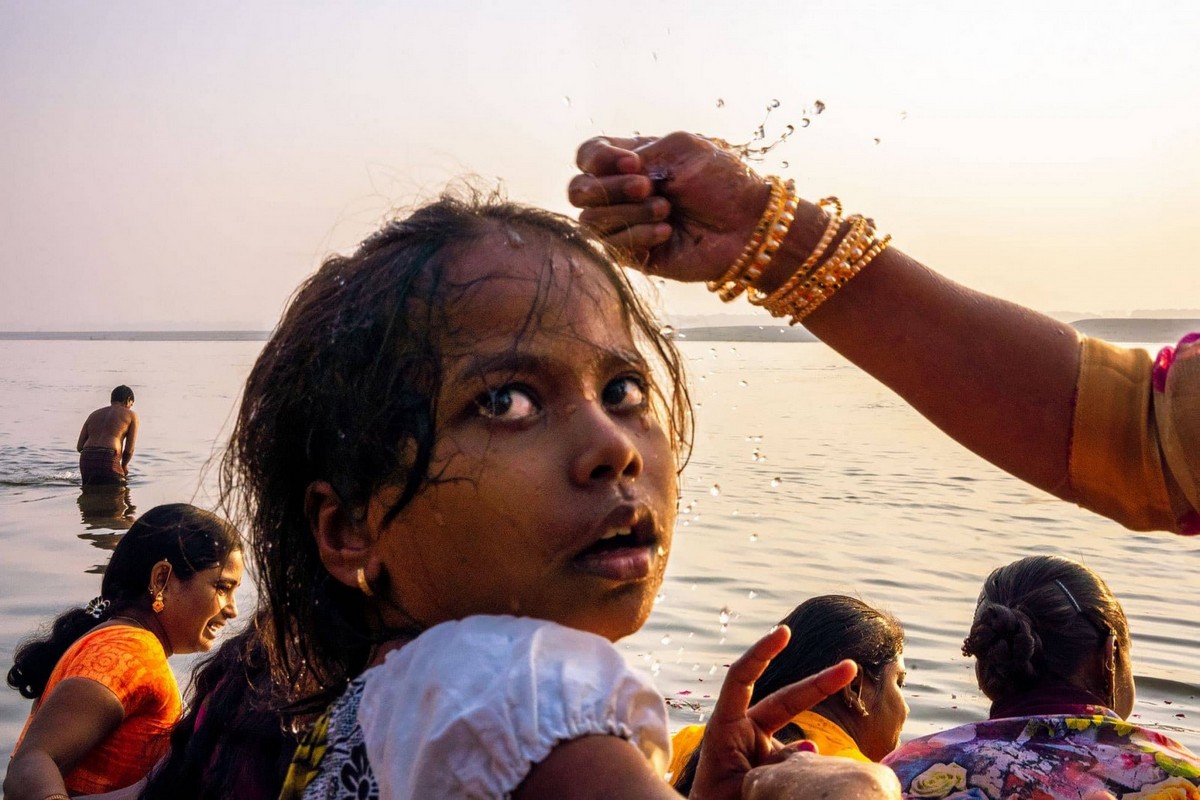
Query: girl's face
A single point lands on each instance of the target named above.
(195, 610)
(554, 482)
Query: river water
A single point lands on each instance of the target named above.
(807, 478)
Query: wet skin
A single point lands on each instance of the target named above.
(557, 482)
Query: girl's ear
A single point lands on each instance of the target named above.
(344, 544)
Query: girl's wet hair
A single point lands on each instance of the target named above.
(825, 630)
(345, 391)
(1039, 619)
(189, 538)
(231, 743)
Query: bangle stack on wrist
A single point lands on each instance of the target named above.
(816, 280)
(768, 235)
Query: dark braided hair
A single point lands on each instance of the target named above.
(1038, 619)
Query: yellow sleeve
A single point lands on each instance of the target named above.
(1117, 462)
(683, 744)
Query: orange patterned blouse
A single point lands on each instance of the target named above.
(131, 663)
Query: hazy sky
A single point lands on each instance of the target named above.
(187, 164)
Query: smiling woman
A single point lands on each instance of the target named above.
(104, 697)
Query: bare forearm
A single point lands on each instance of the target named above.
(32, 776)
(997, 377)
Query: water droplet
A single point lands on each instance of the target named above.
(662, 551)
(805, 122)
(751, 594)
(723, 617)
(743, 383)
(666, 639)
(903, 115)
(818, 106)
(754, 537)
(877, 140)
(720, 103)
(773, 104)
(658, 598)
(788, 131)
(785, 165)
(567, 100)
(655, 55)
(760, 134)
(655, 667)
(775, 483)
(667, 331)
(715, 491)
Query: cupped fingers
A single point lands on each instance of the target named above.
(596, 191)
(618, 216)
(610, 155)
(778, 708)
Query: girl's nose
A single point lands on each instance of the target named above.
(606, 448)
(231, 607)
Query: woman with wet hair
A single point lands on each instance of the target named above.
(104, 696)
(862, 721)
(1051, 647)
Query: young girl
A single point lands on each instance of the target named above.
(457, 457)
(104, 696)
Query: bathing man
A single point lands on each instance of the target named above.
(106, 441)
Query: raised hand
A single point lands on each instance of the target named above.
(738, 737)
(681, 204)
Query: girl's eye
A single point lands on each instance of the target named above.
(625, 393)
(506, 403)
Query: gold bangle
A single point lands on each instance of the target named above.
(836, 282)
(759, 298)
(775, 204)
(777, 231)
(853, 243)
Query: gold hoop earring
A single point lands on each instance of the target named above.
(158, 605)
(363, 586)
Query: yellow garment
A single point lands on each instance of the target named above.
(827, 735)
(1135, 452)
(306, 762)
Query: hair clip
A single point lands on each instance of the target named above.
(97, 606)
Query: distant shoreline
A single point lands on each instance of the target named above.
(1117, 329)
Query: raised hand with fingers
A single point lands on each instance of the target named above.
(683, 204)
(739, 736)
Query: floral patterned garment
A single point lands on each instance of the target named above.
(1050, 757)
(336, 769)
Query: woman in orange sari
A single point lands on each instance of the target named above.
(104, 696)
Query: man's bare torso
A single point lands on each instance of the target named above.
(107, 427)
